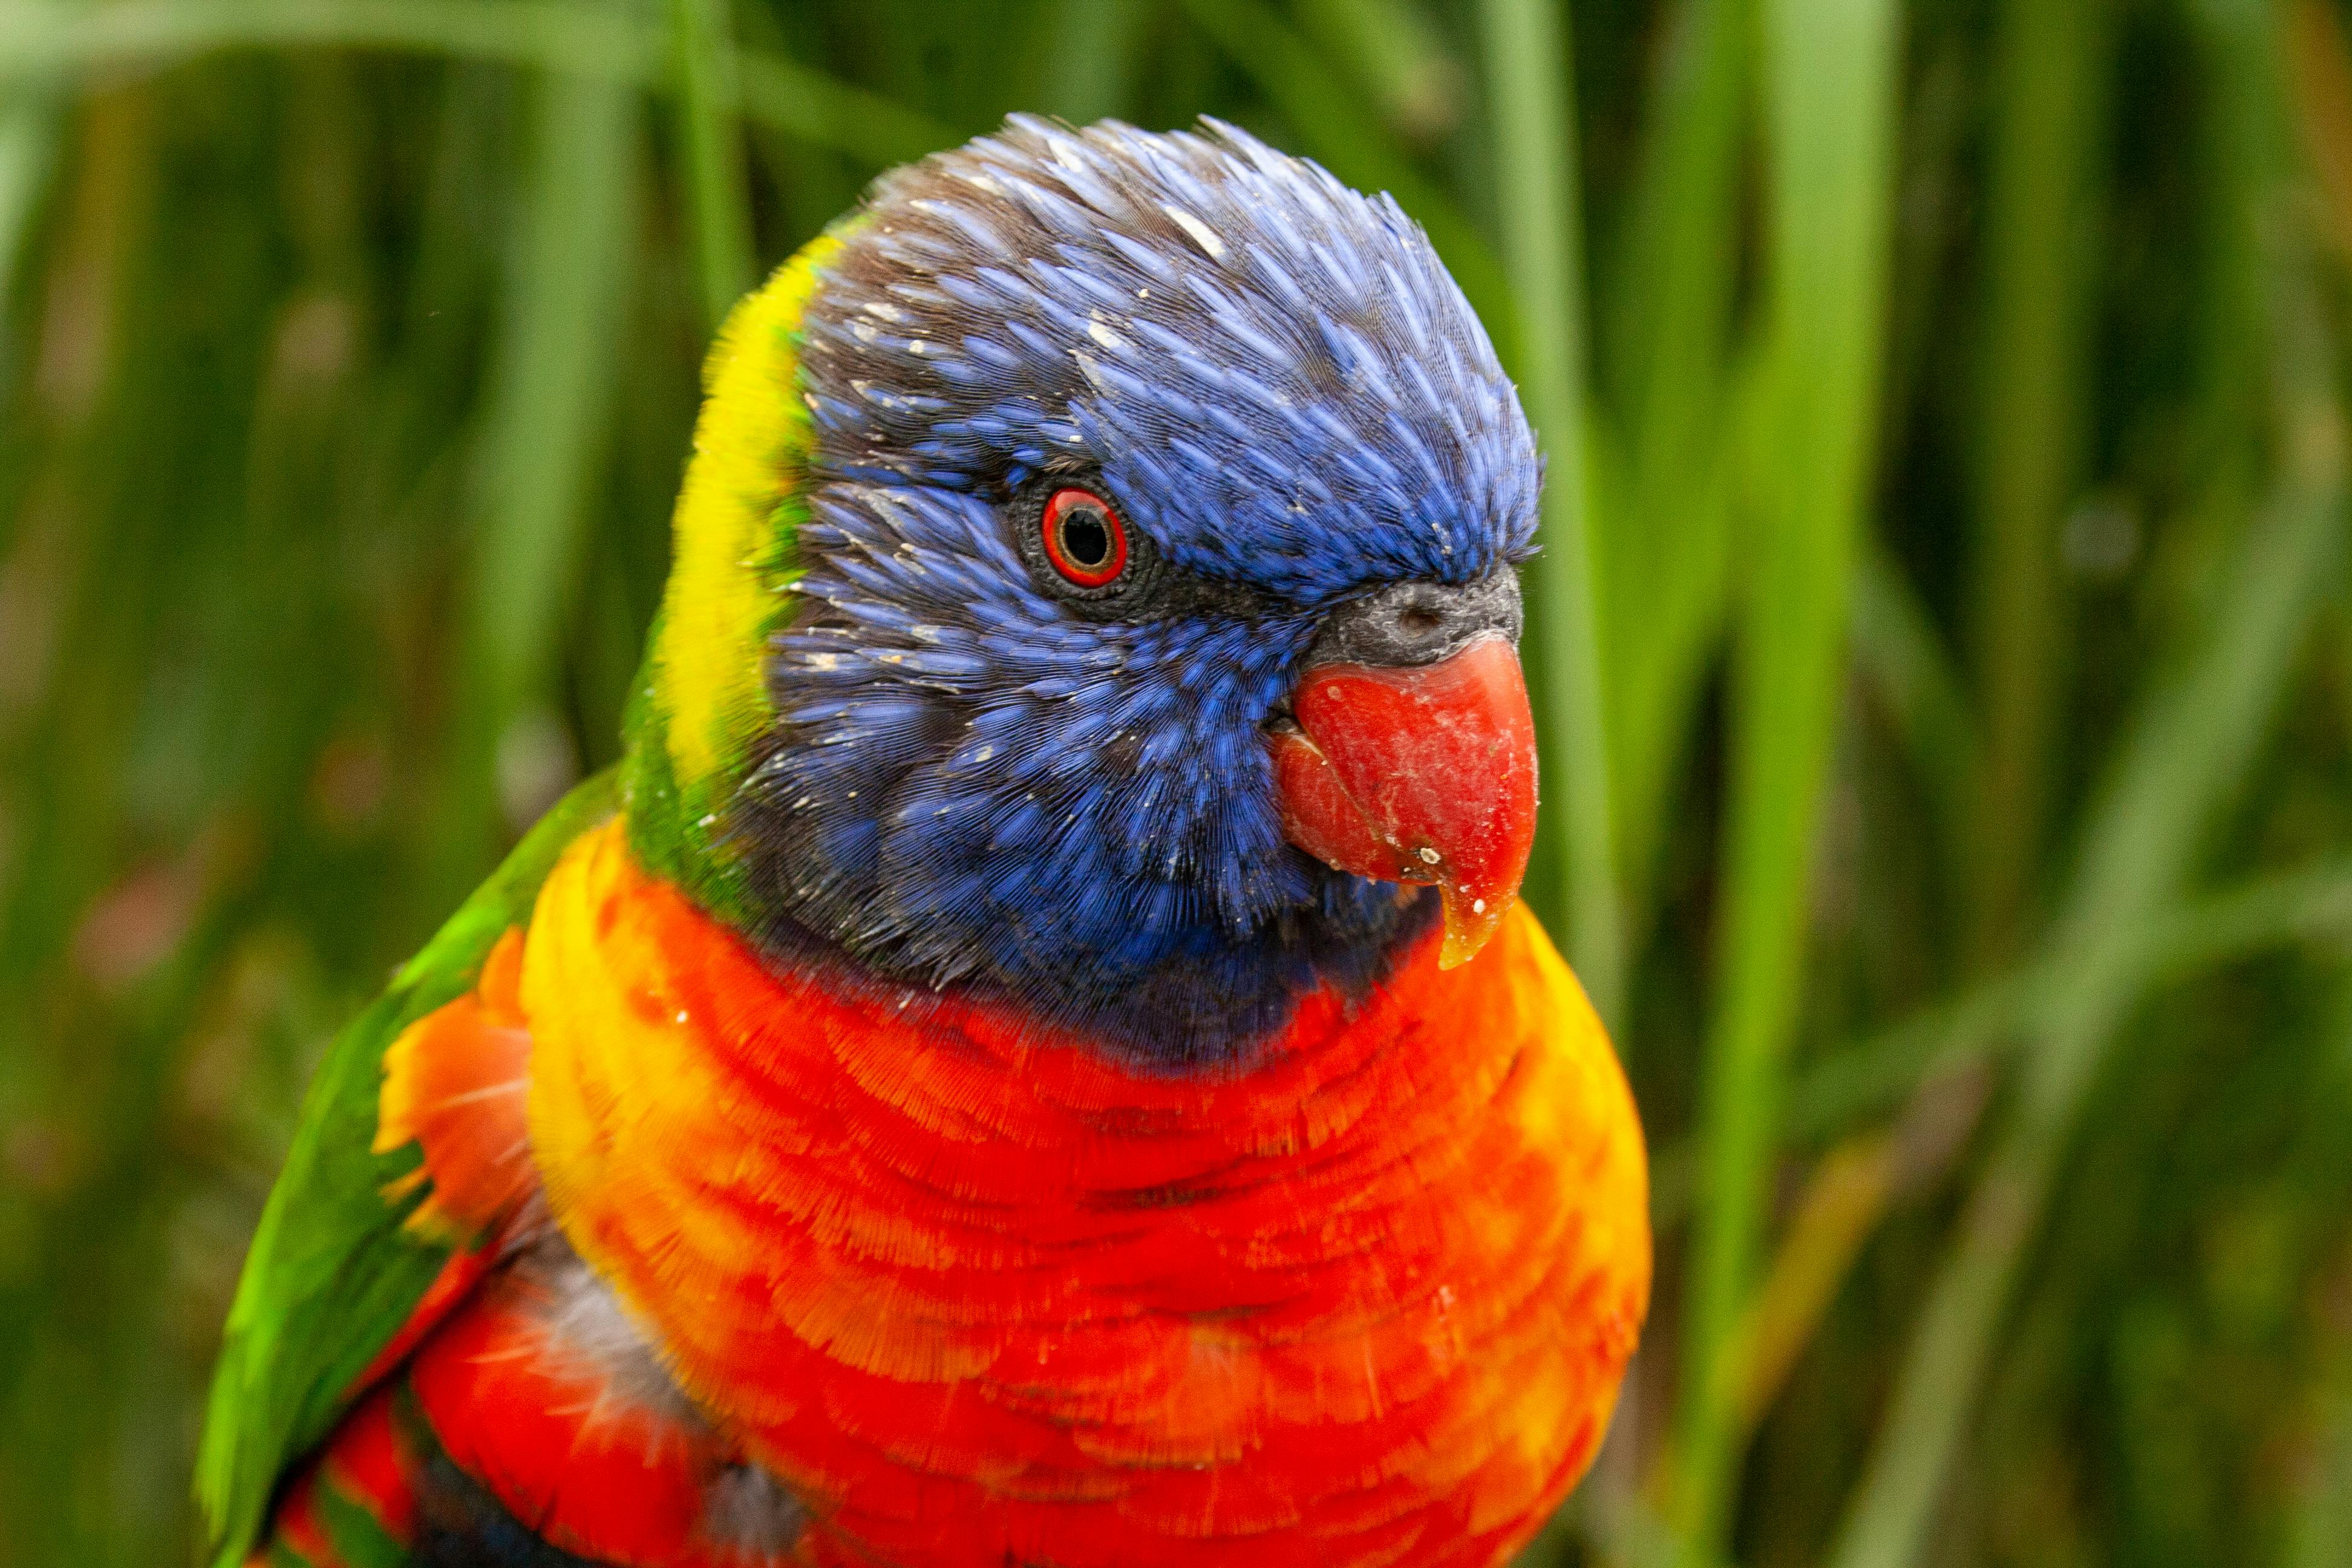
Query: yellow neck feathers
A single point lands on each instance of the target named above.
(736, 519)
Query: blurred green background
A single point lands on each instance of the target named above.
(1941, 641)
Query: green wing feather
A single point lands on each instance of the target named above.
(333, 1275)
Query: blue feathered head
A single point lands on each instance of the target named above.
(1110, 428)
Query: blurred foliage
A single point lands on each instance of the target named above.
(1941, 640)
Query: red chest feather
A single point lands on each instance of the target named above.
(983, 1298)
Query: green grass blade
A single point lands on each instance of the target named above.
(825, 112)
(1332, 121)
(713, 149)
(1872, 1076)
(2036, 336)
(1530, 85)
(1400, 57)
(2193, 741)
(1093, 48)
(552, 392)
(2319, 1507)
(1850, 1083)
(1829, 102)
(1667, 579)
(1948, 1357)
(1902, 656)
(2308, 905)
(28, 150)
(1682, 250)
(41, 40)
(1898, 650)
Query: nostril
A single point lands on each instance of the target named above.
(1411, 624)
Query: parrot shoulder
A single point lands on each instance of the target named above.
(407, 1164)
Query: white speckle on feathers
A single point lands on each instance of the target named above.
(1201, 233)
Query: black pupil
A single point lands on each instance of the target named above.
(1086, 538)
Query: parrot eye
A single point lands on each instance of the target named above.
(1082, 555)
(1084, 539)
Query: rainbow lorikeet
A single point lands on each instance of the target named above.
(1032, 1059)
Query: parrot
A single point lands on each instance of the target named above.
(1034, 1057)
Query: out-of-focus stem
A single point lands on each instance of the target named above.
(1531, 85)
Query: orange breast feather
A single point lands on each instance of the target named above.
(986, 1298)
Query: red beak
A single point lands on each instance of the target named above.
(1421, 774)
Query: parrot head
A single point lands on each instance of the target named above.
(1143, 648)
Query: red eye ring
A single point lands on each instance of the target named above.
(1084, 538)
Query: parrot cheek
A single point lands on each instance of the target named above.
(1424, 773)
